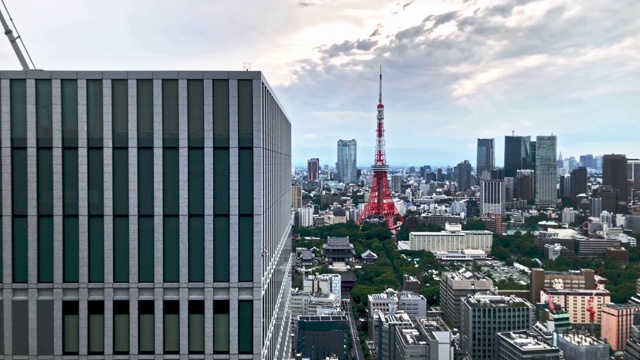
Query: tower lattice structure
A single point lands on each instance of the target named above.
(380, 204)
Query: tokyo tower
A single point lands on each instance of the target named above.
(380, 205)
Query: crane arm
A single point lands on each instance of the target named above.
(14, 42)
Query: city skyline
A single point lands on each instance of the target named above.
(454, 71)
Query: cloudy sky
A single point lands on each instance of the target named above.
(454, 70)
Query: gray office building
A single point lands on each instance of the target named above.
(144, 215)
(319, 337)
(545, 175)
(483, 316)
(485, 156)
(347, 158)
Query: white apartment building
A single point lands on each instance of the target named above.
(325, 284)
(306, 216)
(452, 239)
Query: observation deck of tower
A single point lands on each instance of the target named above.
(380, 204)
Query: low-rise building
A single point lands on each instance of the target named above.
(429, 339)
(577, 346)
(338, 249)
(633, 344)
(387, 325)
(452, 239)
(523, 345)
(368, 257)
(318, 337)
(621, 255)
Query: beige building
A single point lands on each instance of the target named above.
(576, 303)
(616, 324)
(569, 280)
(452, 239)
(456, 285)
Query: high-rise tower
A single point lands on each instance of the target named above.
(380, 204)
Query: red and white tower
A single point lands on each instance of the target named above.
(380, 204)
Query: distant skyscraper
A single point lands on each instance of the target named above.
(313, 169)
(492, 196)
(587, 161)
(524, 184)
(633, 172)
(546, 193)
(516, 154)
(463, 175)
(485, 155)
(296, 196)
(347, 157)
(578, 183)
(614, 173)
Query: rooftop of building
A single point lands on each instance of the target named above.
(578, 292)
(405, 294)
(498, 301)
(338, 241)
(369, 254)
(525, 341)
(622, 306)
(581, 339)
(399, 317)
(317, 318)
(390, 295)
(432, 323)
(411, 336)
(464, 275)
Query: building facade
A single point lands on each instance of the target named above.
(546, 178)
(463, 175)
(483, 316)
(616, 324)
(485, 156)
(347, 159)
(455, 286)
(523, 345)
(452, 239)
(524, 184)
(144, 213)
(319, 337)
(493, 196)
(614, 174)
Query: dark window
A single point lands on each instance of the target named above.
(96, 182)
(121, 181)
(171, 246)
(96, 327)
(221, 326)
(196, 181)
(196, 249)
(171, 181)
(70, 181)
(43, 113)
(170, 113)
(45, 249)
(245, 113)
(121, 327)
(245, 327)
(196, 327)
(195, 112)
(221, 113)
(18, 113)
(94, 113)
(20, 327)
(71, 249)
(45, 325)
(145, 181)
(146, 327)
(20, 250)
(45, 182)
(69, 89)
(245, 248)
(221, 248)
(19, 179)
(121, 249)
(171, 327)
(145, 249)
(120, 112)
(96, 249)
(70, 319)
(221, 181)
(245, 179)
(145, 113)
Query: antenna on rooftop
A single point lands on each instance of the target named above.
(247, 66)
(13, 40)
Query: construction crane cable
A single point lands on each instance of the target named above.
(19, 37)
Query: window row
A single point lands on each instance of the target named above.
(145, 181)
(121, 246)
(123, 324)
(95, 108)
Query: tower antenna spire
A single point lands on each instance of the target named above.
(380, 93)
